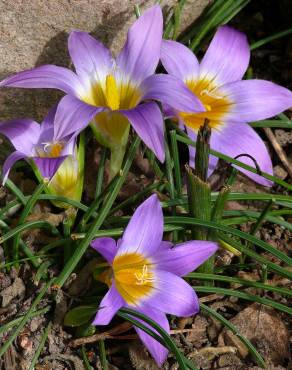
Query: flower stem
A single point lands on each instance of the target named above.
(172, 191)
(67, 226)
(116, 160)
(218, 210)
(199, 191)
(102, 355)
(100, 175)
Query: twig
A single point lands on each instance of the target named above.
(210, 297)
(211, 352)
(100, 338)
(109, 334)
(112, 334)
(278, 149)
(181, 331)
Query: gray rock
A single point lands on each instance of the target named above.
(35, 32)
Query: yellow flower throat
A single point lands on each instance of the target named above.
(216, 105)
(134, 277)
(113, 94)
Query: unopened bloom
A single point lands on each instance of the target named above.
(229, 102)
(146, 273)
(113, 93)
(68, 179)
(38, 143)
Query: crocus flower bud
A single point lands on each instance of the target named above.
(68, 179)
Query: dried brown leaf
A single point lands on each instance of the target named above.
(264, 328)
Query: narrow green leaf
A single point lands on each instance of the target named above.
(235, 280)
(253, 215)
(272, 266)
(26, 211)
(96, 224)
(102, 355)
(175, 156)
(15, 190)
(268, 39)
(26, 317)
(244, 295)
(85, 359)
(5, 327)
(127, 313)
(40, 347)
(287, 124)
(213, 225)
(100, 175)
(27, 226)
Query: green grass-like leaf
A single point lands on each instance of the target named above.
(244, 295)
(213, 225)
(40, 346)
(163, 337)
(235, 280)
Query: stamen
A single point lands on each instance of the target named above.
(114, 66)
(56, 149)
(52, 149)
(210, 93)
(46, 146)
(142, 277)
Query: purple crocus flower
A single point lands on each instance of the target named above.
(114, 93)
(37, 142)
(146, 273)
(230, 102)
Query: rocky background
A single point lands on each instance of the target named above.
(35, 32)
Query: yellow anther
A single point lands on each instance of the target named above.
(111, 93)
(56, 149)
(215, 102)
(211, 93)
(143, 277)
(50, 149)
